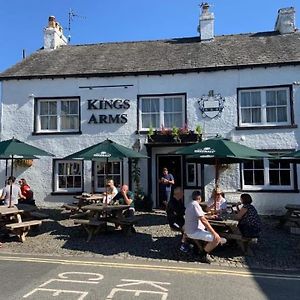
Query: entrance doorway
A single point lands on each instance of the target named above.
(174, 165)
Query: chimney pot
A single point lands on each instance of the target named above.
(53, 35)
(206, 23)
(285, 22)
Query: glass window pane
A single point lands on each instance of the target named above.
(258, 164)
(259, 177)
(146, 105)
(274, 164)
(248, 164)
(74, 107)
(77, 181)
(245, 99)
(255, 99)
(178, 104)
(146, 121)
(285, 177)
(109, 168)
(248, 177)
(44, 108)
(53, 123)
(61, 169)
(271, 98)
(44, 122)
(282, 114)
(168, 105)
(116, 168)
(155, 105)
(191, 173)
(256, 115)
(271, 114)
(285, 165)
(282, 97)
(70, 181)
(117, 180)
(101, 181)
(52, 107)
(65, 107)
(274, 177)
(61, 182)
(246, 115)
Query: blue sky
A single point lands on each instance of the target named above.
(22, 22)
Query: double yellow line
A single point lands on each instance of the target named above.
(176, 269)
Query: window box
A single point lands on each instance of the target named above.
(158, 137)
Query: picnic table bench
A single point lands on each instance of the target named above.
(13, 221)
(21, 229)
(91, 226)
(292, 215)
(98, 215)
(228, 229)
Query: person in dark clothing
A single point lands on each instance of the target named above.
(175, 216)
(165, 187)
(249, 221)
(175, 210)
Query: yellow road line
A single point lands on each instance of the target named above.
(178, 269)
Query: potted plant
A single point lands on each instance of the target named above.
(150, 133)
(176, 134)
(198, 131)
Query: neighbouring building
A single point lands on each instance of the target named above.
(244, 87)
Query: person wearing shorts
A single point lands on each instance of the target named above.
(198, 228)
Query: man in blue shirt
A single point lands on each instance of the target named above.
(165, 187)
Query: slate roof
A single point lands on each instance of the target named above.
(160, 56)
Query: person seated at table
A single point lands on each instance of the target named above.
(198, 228)
(249, 220)
(125, 197)
(11, 192)
(111, 191)
(175, 216)
(26, 192)
(218, 197)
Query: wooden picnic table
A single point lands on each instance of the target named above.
(100, 214)
(228, 229)
(292, 215)
(12, 219)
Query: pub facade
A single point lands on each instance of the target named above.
(155, 97)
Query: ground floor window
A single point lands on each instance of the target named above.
(268, 174)
(68, 176)
(193, 174)
(111, 170)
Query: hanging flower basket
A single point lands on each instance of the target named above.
(23, 162)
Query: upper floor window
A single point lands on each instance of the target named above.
(68, 176)
(268, 174)
(166, 111)
(264, 107)
(57, 115)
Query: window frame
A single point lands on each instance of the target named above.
(55, 178)
(95, 175)
(264, 124)
(267, 187)
(37, 121)
(161, 110)
(198, 174)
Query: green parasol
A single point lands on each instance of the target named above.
(15, 149)
(106, 150)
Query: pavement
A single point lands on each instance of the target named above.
(277, 249)
(43, 277)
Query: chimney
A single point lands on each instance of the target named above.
(53, 35)
(206, 23)
(285, 22)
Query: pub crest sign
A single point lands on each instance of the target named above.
(211, 105)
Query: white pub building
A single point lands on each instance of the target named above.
(244, 87)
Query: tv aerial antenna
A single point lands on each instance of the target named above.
(71, 16)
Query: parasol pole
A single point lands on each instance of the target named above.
(11, 174)
(6, 161)
(216, 182)
(105, 182)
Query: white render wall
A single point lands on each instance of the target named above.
(17, 120)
